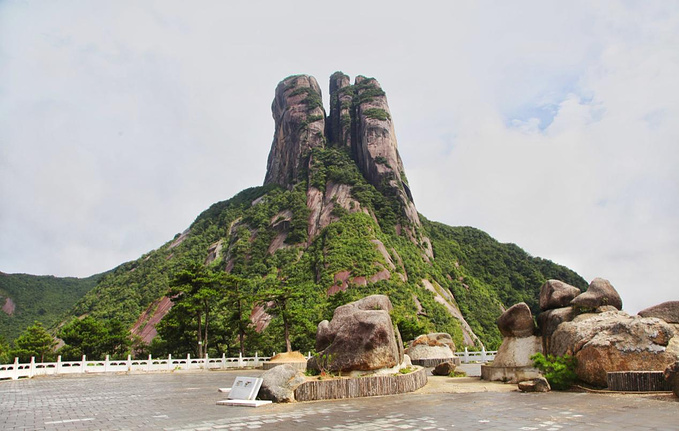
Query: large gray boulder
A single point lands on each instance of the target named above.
(549, 320)
(360, 337)
(517, 321)
(600, 292)
(280, 382)
(614, 341)
(667, 311)
(437, 345)
(557, 294)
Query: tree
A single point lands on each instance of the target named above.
(278, 295)
(197, 288)
(4, 351)
(34, 341)
(94, 338)
(237, 302)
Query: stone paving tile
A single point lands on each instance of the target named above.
(187, 401)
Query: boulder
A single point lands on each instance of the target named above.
(516, 352)
(556, 294)
(517, 321)
(360, 337)
(667, 311)
(437, 345)
(614, 341)
(671, 374)
(443, 369)
(538, 384)
(279, 383)
(600, 292)
(549, 320)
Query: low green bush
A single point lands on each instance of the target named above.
(558, 370)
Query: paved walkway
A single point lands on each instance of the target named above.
(186, 401)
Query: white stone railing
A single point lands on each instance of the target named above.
(482, 356)
(18, 370)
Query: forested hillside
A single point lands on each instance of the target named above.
(27, 298)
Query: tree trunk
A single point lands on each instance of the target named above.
(207, 314)
(287, 334)
(200, 336)
(241, 331)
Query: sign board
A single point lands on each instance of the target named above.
(245, 388)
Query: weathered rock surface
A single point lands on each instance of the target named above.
(446, 298)
(516, 352)
(667, 311)
(671, 374)
(299, 126)
(360, 337)
(549, 320)
(557, 294)
(341, 110)
(517, 321)
(538, 384)
(279, 383)
(443, 369)
(614, 341)
(438, 345)
(600, 292)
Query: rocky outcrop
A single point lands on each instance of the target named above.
(446, 298)
(517, 321)
(341, 110)
(145, 326)
(614, 341)
(9, 306)
(375, 148)
(360, 337)
(299, 126)
(557, 294)
(599, 293)
(279, 383)
(667, 311)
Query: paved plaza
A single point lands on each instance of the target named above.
(186, 401)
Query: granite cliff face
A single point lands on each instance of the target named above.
(359, 122)
(299, 126)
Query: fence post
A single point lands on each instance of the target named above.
(148, 364)
(82, 364)
(16, 369)
(169, 362)
(256, 360)
(106, 364)
(206, 361)
(58, 364)
(223, 361)
(188, 361)
(240, 360)
(31, 368)
(483, 354)
(129, 363)
(466, 355)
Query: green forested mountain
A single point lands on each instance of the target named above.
(334, 221)
(28, 298)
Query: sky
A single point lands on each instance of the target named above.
(548, 124)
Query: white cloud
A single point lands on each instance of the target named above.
(550, 125)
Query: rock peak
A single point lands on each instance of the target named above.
(359, 121)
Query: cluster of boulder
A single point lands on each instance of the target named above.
(591, 327)
(434, 350)
(359, 339)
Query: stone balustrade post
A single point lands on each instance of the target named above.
(16, 369)
(31, 368)
(83, 364)
(148, 364)
(106, 364)
(58, 364)
(169, 362)
(466, 355)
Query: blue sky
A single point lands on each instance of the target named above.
(551, 125)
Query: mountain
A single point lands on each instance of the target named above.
(26, 298)
(336, 220)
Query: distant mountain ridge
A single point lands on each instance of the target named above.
(336, 219)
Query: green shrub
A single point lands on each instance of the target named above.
(558, 370)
